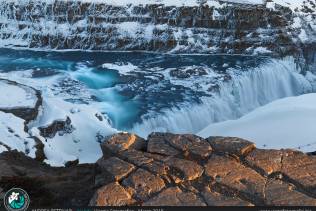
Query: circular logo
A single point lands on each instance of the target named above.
(16, 199)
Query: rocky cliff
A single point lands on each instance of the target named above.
(217, 28)
(168, 169)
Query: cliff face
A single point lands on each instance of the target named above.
(225, 28)
(168, 169)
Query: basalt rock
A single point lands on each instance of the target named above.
(231, 28)
(137, 173)
(226, 172)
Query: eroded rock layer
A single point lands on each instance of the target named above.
(225, 28)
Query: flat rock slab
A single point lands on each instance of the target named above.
(236, 177)
(234, 146)
(217, 199)
(116, 167)
(175, 197)
(158, 143)
(121, 142)
(300, 169)
(279, 193)
(267, 161)
(143, 184)
(111, 195)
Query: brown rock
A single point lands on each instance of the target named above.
(279, 193)
(227, 172)
(111, 195)
(138, 158)
(175, 197)
(157, 167)
(121, 142)
(231, 145)
(182, 170)
(301, 169)
(192, 144)
(267, 161)
(217, 199)
(143, 184)
(157, 144)
(116, 167)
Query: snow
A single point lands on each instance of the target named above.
(12, 96)
(261, 50)
(12, 134)
(285, 123)
(122, 68)
(165, 2)
(82, 143)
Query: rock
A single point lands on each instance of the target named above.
(174, 196)
(234, 146)
(71, 163)
(182, 170)
(111, 195)
(279, 193)
(118, 168)
(157, 143)
(300, 169)
(136, 157)
(46, 185)
(217, 199)
(192, 144)
(229, 173)
(157, 167)
(143, 184)
(121, 142)
(266, 161)
(58, 126)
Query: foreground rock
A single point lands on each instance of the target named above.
(169, 170)
(186, 170)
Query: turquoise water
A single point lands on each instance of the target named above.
(123, 97)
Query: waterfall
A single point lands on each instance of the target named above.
(246, 91)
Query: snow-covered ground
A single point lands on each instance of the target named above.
(12, 135)
(16, 96)
(285, 123)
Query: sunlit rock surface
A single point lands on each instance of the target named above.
(242, 177)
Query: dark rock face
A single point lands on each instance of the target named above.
(230, 172)
(58, 126)
(234, 28)
(47, 186)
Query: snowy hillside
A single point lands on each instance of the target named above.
(286, 123)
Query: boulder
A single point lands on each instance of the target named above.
(116, 167)
(230, 145)
(143, 184)
(121, 142)
(111, 195)
(174, 196)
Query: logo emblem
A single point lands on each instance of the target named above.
(16, 199)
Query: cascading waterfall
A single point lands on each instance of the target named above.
(246, 91)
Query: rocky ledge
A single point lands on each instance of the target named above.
(169, 169)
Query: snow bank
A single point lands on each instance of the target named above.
(286, 123)
(12, 135)
(12, 96)
(83, 143)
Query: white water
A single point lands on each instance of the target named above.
(245, 92)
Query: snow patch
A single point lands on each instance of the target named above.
(285, 123)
